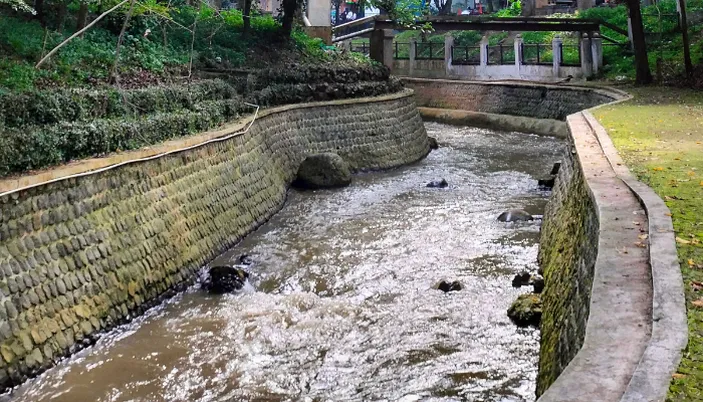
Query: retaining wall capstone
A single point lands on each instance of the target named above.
(78, 256)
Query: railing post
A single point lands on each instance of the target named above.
(381, 47)
(412, 50)
(597, 52)
(518, 53)
(484, 51)
(556, 56)
(448, 45)
(586, 55)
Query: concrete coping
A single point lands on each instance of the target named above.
(93, 165)
(650, 379)
(669, 338)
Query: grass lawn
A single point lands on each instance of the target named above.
(659, 134)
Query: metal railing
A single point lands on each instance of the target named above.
(537, 54)
(362, 48)
(501, 54)
(570, 55)
(466, 55)
(401, 50)
(429, 50)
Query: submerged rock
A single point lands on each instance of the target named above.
(515, 215)
(433, 143)
(546, 184)
(245, 259)
(526, 310)
(327, 170)
(445, 286)
(223, 279)
(521, 279)
(438, 184)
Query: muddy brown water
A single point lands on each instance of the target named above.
(341, 306)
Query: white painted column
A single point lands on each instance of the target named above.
(484, 51)
(448, 45)
(517, 46)
(586, 56)
(597, 53)
(556, 56)
(319, 13)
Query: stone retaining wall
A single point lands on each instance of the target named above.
(80, 255)
(519, 99)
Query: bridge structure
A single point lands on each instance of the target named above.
(382, 48)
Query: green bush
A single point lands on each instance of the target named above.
(304, 74)
(281, 94)
(41, 146)
(50, 107)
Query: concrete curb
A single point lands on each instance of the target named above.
(669, 338)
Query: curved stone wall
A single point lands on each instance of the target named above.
(80, 255)
(614, 322)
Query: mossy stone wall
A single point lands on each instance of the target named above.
(567, 256)
(80, 255)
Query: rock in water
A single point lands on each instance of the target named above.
(546, 184)
(555, 168)
(245, 259)
(433, 143)
(327, 170)
(438, 184)
(521, 279)
(537, 284)
(222, 279)
(526, 310)
(515, 215)
(445, 286)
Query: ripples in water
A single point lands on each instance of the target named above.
(341, 306)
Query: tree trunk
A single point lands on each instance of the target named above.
(246, 16)
(82, 16)
(289, 9)
(63, 10)
(686, 43)
(113, 75)
(446, 8)
(643, 74)
(39, 8)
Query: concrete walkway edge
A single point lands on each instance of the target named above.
(650, 381)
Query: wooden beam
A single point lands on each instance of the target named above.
(500, 25)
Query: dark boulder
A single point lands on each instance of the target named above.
(433, 143)
(521, 279)
(327, 170)
(438, 184)
(223, 279)
(537, 284)
(445, 286)
(546, 184)
(555, 168)
(515, 215)
(526, 310)
(245, 259)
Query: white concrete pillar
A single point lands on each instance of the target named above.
(448, 45)
(596, 53)
(518, 53)
(319, 13)
(586, 55)
(412, 54)
(484, 51)
(556, 56)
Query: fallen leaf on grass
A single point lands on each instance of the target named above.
(696, 285)
(691, 263)
(658, 169)
(668, 214)
(679, 376)
(691, 173)
(672, 197)
(697, 303)
(682, 241)
(701, 183)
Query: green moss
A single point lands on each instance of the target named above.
(659, 136)
(526, 309)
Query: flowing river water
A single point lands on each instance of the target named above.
(341, 305)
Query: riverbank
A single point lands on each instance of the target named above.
(658, 134)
